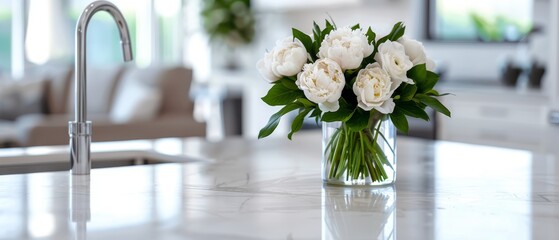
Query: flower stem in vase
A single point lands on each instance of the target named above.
(358, 157)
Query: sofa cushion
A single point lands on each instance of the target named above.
(43, 130)
(175, 83)
(138, 96)
(8, 133)
(21, 97)
(101, 87)
(58, 78)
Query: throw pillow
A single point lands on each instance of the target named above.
(21, 97)
(135, 99)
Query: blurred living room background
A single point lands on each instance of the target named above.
(194, 71)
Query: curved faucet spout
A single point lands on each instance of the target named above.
(80, 129)
(80, 107)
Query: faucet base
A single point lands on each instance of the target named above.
(80, 141)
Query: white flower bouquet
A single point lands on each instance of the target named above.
(348, 75)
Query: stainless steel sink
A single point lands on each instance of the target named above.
(60, 162)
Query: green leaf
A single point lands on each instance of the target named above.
(407, 91)
(317, 34)
(435, 93)
(399, 120)
(316, 115)
(325, 32)
(343, 114)
(281, 95)
(297, 123)
(275, 119)
(288, 83)
(306, 103)
(424, 79)
(411, 109)
(316, 31)
(433, 103)
(356, 26)
(371, 36)
(418, 73)
(430, 81)
(330, 25)
(359, 120)
(381, 41)
(304, 38)
(316, 112)
(397, 31)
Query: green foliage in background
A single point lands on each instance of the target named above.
(497, 30)
(228, 21)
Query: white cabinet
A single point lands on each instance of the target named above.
(495, 116)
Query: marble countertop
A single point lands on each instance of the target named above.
(271, 189)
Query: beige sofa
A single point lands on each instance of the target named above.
(110, 93)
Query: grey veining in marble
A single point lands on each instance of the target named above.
(271, 189)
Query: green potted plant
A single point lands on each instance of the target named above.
(229, 23)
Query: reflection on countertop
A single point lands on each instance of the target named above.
(271, 189)
(347, 210)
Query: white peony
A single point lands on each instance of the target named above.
(264, 66)
(373, 88)
(346, 47)
(286, 59)
(393, 59)
(289, 57)
(416, 52)
(414, 49)
(322, 82)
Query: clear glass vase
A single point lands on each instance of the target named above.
(366, 157)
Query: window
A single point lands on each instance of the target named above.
(103, 40)
(158, 38)
(479, 20)
(170, 30)
(49, 32)
(5, 37)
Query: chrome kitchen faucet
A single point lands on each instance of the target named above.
(80, 129)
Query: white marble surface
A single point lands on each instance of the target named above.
(271, 189)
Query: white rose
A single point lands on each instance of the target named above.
(393, 59)
(416, 52)
(322, 82)
(373, 88)
(286, 59)
(346, 47)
